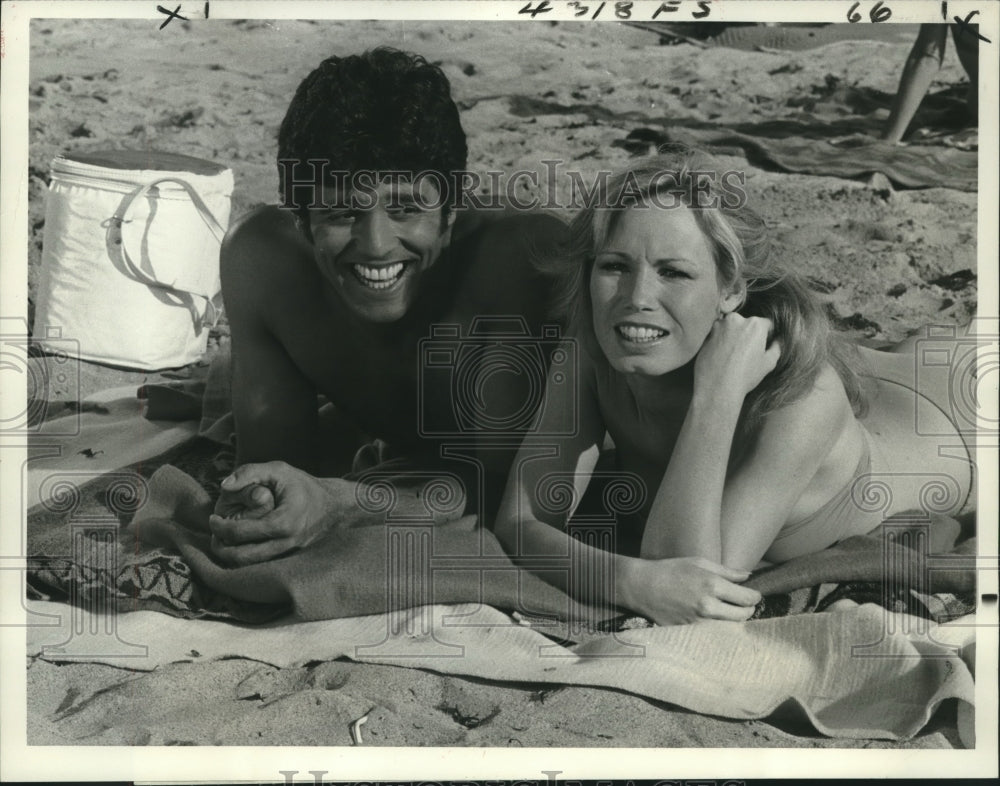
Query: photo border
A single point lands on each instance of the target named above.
(23, 762)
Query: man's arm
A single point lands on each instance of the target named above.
(274, 404)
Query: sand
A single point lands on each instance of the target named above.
(241, 702)
(192, 89)
(218, 90)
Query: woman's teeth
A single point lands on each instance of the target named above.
(381, 277)
(640, 334)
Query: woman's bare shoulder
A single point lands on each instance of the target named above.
(822, 412)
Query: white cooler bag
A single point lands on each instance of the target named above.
(130, 256)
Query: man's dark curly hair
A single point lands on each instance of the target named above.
(381, 110)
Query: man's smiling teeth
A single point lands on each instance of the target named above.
(640, 334)
(380, 277)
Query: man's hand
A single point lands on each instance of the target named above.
(247, 502)
(277, 507)
(687, 589)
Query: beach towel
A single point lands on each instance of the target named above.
(161, 561)
(97, 463)
(833, 131)
(841, 670)
(85, 440)
(844, 671)
(150, 564)
(794, 146)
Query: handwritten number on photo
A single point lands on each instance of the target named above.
(879, 12)
(582, 9)
(542, 8)
(623, 10)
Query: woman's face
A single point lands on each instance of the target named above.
(655, 291)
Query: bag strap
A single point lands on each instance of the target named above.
(213, 303)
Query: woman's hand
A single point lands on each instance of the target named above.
(267, 510)
(686, 589)
(735, 357)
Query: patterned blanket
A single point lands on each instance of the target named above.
(83, 551)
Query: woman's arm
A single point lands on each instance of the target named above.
(698, 510)
(532, 530)
(533, 513)
(685, 518)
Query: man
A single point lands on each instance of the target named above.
(332, 296)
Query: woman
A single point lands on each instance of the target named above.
(754, 432)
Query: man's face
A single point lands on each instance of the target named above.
(373, 256)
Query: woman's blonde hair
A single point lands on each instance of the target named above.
(744, 260)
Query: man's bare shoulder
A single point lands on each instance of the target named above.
(520, 228)
(501, 254)
(265, 265)
(264, 235)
